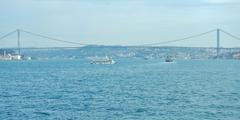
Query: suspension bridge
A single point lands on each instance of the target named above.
(218, 33)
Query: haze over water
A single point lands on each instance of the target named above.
(130, 89)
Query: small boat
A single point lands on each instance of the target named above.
(169, 59)
(105, 60)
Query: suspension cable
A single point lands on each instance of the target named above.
(176, 40)
(231, 35)
(53, 39)
(10, 33)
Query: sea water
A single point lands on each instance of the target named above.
(132, 89)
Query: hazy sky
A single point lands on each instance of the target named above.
(124, 22)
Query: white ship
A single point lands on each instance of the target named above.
(105, 60)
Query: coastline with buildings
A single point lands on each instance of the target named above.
(9, 56)
(122, 52)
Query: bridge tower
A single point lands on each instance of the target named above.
(218, 42)
(18, 41)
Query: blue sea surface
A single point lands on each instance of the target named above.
(132, 89)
